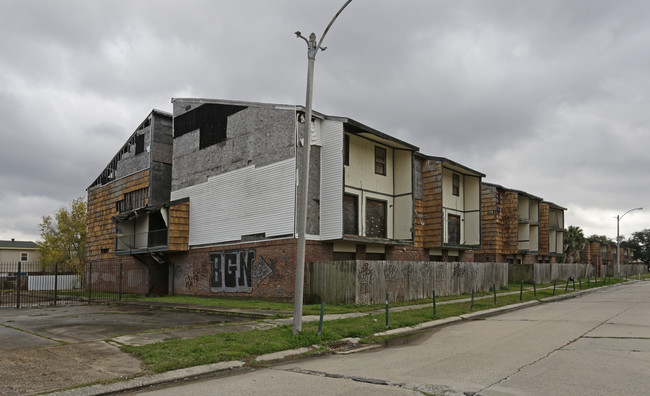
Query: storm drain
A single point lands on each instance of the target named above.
(349, 345)
(343, 345)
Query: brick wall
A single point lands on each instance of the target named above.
(101, 207)
(406, 253)
(273, 268)
(104, 275)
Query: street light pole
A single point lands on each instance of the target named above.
(303, 174)
(618, 241)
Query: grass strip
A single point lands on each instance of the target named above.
(314, 309)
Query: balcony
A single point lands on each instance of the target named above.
(153, 229)
(142, 242)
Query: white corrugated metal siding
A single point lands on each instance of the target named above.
(242, 202)
(331, 178)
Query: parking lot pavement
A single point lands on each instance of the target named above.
(44, 349)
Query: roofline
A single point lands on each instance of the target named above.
(152, 112)
(529, 195)
(451, 162)
(366, 128)
(315, 113)
(553, 205)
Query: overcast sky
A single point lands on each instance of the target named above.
(548, 97)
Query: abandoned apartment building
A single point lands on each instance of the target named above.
(204, 201)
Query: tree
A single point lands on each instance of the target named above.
(640, 242)
(64, 238)
(574, 242)
(602, 239)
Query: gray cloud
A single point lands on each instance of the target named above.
(546, 97)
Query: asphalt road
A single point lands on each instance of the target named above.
(596, 344)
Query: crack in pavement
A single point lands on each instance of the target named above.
(425, 389)
(583, 335)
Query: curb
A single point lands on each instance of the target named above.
(242, 313)
(157, 379)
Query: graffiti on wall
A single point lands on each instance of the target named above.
(233, 271)
(261, 270)
(366, 277)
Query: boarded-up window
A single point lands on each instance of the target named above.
(455, 184)
(375, 218)
(380, 160)
(454, 229)
(139, 144)
(133, 200)
(350, 214)
(346, 150)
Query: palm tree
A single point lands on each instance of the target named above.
(574, 242)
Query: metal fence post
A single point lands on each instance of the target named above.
(434, 304)
(56, 282)
(471, 306)
(320, 321)
(18, 281)
(120, 281)
(89, 281)
(387, 310)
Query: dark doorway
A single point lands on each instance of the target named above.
(454, 229)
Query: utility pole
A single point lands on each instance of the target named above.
(618, 242)
(303, 174)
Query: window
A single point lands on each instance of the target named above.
(350, 214)
(346, 150)
(453, 226)
(139, 144)
(375, 218)
(380, 160)
(23, 256)
(455, 184)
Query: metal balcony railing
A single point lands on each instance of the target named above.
(142, 241)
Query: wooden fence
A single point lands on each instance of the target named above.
(547, 273)
(367, 282)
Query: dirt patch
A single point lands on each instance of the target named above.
(45, 369)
